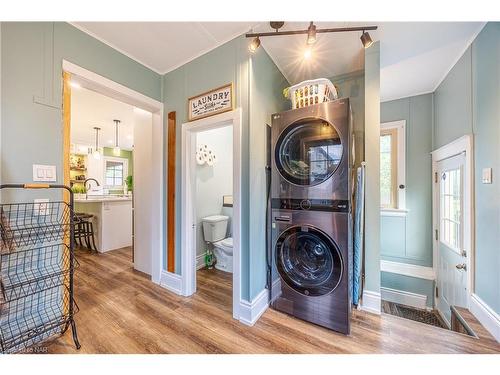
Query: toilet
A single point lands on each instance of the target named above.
(214, 231)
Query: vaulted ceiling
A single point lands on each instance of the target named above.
(414, 57)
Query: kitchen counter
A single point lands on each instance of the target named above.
(112, 220)
(98, 198)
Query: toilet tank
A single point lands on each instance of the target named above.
(214, 227)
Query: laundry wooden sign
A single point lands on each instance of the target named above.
(211, 103)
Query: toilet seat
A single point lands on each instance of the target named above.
(225, 245)
(223, 251)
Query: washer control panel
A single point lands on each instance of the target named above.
(328, 205)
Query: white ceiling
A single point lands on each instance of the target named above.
(90, 109)
(164, 46)
(415, 56)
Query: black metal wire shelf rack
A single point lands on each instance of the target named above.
(37, 267)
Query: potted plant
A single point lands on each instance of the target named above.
(129, 181)
(79, 191)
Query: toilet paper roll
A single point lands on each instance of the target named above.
(200, 159)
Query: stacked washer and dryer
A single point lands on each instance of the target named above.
(310, 252)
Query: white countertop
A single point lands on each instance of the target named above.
(105, 198)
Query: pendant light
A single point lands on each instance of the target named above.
(96, 154)
(116, 150)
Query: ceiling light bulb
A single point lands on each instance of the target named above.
(311, 34)
(366, 39)
(75, 85)
(254, 45)
(307, 53)
(96, 154)
(116, 151)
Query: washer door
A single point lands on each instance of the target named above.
(308, 152)
(308, 261)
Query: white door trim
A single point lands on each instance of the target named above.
(188, 254)
(461, 145)
(105, 86)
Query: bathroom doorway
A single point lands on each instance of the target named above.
(211, 207)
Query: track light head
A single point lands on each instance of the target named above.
(366, 39)
(311, 34)
(254, 45)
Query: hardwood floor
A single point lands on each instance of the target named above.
(121, 311)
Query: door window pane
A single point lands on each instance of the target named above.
(451, 208)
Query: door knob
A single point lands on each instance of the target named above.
(461, 266)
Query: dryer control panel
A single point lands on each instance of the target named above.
(328, 205)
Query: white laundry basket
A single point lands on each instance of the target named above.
(312, 92)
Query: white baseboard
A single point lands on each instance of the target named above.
(200, 261)
(171, 281)
(406, 269)
(404, 297)
(486, 316)
(250, 312)
(371, 302)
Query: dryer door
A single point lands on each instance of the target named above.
(308, 261)
(308, 152)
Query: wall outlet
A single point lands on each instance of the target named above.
(41, 207)
(486, 178)
(44, 173)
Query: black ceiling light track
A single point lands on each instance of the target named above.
(311, 32)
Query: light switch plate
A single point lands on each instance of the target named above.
(44, 173)
(486, 178)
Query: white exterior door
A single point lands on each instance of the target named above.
(452, 275)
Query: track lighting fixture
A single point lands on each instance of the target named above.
(311, 34)
(254, 45)
(366, 39)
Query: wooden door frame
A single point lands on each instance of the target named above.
(171, 150)
(459, 146)
(105, 86)
(188, 253)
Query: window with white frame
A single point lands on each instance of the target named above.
(115, 172)
(392, 165)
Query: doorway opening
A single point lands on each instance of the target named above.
(112, 160)
(211, 207)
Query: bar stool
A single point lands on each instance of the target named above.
(84, 230)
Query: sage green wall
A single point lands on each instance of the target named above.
(352, 86)
(266, 87)
(372, 158)
(258, 86)
(409, 239)
(31, 70)
(466, 102)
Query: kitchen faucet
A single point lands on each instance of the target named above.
(90, 179)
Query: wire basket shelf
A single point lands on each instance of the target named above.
(35, 318)
(37, 267)
(30, 271)
(33, 224)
